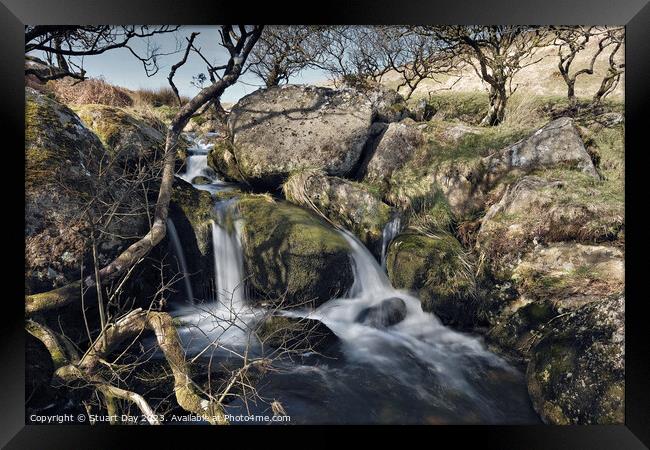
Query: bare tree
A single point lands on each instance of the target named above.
(120, 324)
(496, 53)
(65, 47)
(281, 53)
(570, 41)
(614, 39)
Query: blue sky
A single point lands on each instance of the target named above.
(119, 67)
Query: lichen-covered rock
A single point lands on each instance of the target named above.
(62, 176)
(388, 105)
(291, 257)
(438, 271)
(282, 129)
(576, 373)
(221, 159)
(552, 280)
(297, 334)
(539, 210)
(556, 144)
(127, 137)
(348, 204)
(397, 145)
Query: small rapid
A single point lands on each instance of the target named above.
(411, 370)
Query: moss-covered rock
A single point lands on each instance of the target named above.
(576, 374)
(63, 173)
(353, 206)
(127, 136)
(291, 257)
(553, 280)
(439, 271)
(221, 159)
(538, 210)
(192, 212)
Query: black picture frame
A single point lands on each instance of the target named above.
(635, 14)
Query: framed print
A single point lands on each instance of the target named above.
(406, 215)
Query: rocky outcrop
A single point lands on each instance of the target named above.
(291, 257)
(348, 204)
(278, 130)
(556, 144)
(439, 271)
(396, 147)
(128, 137)
(576, 373)
(62, 170)
(470, 181)
(538, 210)
(551, 281)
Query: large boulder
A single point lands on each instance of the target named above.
(129, 138)
(281, 129)
(348, 204)
(556, 144)
(396, 146)
(291, 257)
(62, 174)
(438, 270)
(538, 210)
(576, 373)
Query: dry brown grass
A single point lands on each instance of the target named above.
(93, 90)
(162, 96)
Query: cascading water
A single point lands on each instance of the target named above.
(414, 370)
(180, 256)
(390, 231)
(228, 258)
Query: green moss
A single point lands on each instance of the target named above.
(292, 256)
(439, 270)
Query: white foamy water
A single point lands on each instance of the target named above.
(390, 231)
(415, 371)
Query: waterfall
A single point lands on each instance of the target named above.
(228, 257)
(391, 229)
(180, 256)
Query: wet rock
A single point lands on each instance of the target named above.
(282, 129)
(201, 180)
(576, 374)
(387, 313)
(296, 334)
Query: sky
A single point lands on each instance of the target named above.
(120, 67)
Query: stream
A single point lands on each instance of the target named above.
(417, 371)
